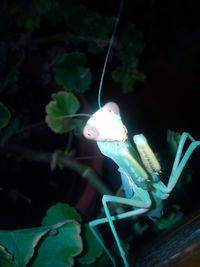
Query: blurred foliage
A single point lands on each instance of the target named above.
(173, 218)
(5, 115)
(127, 73)
(71, 74)
(47, 56)
(11, 76)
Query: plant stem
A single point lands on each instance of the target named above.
(82, 169)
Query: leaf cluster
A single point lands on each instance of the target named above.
(47, 52)
(51, 27)
(59, 240)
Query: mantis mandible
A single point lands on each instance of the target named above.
(140, 171)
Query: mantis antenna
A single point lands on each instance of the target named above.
(106, 60)
(105, 63)
(108, 52)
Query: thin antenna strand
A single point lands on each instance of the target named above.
(78, 115)
(108, 52)
(73, 115)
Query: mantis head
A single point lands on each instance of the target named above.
(106, 125)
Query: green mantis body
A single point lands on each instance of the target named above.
(144, 191)
(140, 171)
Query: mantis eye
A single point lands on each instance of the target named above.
(90, 132)
(112, 107)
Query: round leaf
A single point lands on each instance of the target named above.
(94, 249)
(60, 212)
(13, 126)
(58, 111)
(20, 244)
(60, 248)
(71, 73)
(42, 6)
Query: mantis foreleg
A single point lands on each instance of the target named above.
(180, 161)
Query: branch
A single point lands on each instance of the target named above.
(82, 169)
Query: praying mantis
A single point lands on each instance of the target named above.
(144, 191)
(139, 168)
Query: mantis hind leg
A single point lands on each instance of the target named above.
(181, 160)
(142, 202)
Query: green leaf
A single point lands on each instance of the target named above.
(12, 127)
(131, 47)
(59, 248)
(89, 22)
(166, 223)
(132, 41)
(4, 115)
(11, 76)
(128, 74)
(71, 73)
(60, 212)
(18, 245)
(93, 248)
(55, 14)
(59, 11)
(29, 21)
(58, 111)
(42, 6)
(105, 261)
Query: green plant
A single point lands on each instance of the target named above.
(47, 53)
(57, 241)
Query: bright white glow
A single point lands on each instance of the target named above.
(109, 125)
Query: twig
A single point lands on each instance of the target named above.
(82, 169)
